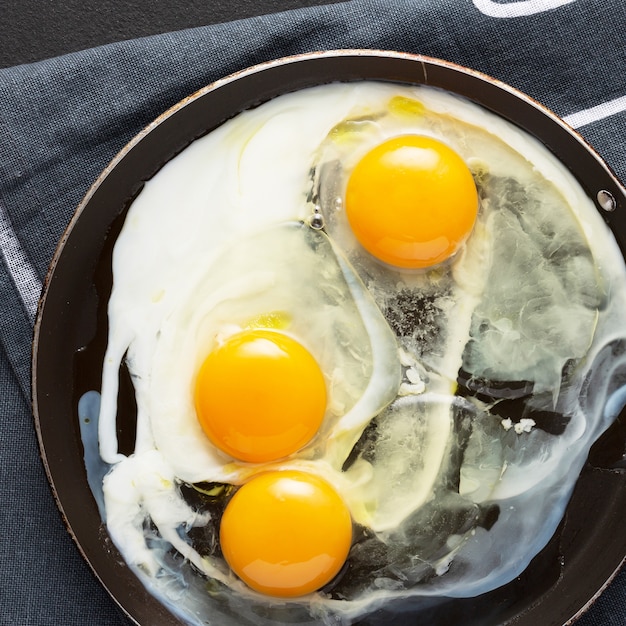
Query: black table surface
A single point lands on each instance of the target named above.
(31, 30)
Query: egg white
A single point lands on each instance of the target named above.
(242, 176)
(291, 271)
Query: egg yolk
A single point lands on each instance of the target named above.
(260, 396)
(286, 533)
(411, 201)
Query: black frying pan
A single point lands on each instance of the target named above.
(70, 337)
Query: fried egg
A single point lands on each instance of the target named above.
(434, 290)
(339, 346)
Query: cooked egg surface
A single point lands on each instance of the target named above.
(455, 395)
(411, 201)
(286, 533)
(260, 396)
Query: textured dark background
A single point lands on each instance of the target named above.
(31, 30)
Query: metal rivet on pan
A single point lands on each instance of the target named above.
(316, 219)
(606, 200)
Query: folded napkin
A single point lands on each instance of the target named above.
(62, 120)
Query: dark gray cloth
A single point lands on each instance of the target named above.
(63, 119)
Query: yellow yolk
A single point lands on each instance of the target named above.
(260, 396)
(286, 533)
(411, 201)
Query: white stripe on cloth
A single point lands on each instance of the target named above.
(595, 113)
(22, 272)
(517, 8)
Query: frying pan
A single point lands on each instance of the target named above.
(70, 338)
